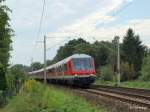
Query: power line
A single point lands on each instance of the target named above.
(39, 29)
(41, 19)
(118, 11)
(110, 49)
(122, 9)
(45, 74)
(114, 14)
(59, 43)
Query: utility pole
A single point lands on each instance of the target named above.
(118, 62)
(45, 76)
(31, 64)
(45, 71)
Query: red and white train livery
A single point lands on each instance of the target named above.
(78, 69)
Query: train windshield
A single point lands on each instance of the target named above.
(83, 64)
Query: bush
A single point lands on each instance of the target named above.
(3, 98)
(35, 97)
(145, 69)
(105, 73)
(15, 78)
(127, 72)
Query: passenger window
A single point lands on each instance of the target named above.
(65, 67)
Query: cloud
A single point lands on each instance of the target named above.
(68, 18)
(87, 25)
(140, 27)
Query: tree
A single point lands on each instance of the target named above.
(101, 53)
(3, 84)
(98, 50)
(49, 62)
(16, 76)
(5, 42)
(83, 48)
(36, 66)
(133, 51)
(68, 49)
(147, 51)
(145, 72)
(127, 71)
(105, 73)
(22, 67)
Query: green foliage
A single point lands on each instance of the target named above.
(145, 72)
(83, 48)
(105, 73)
(3, 84)
(36, 66)
(49, 62)
(35, 97)
(105, 53)
(127, 71)
(130, 84)
(136, 84)
(97, 50)
(16, 77)
(5, 35)
(101, 53)
(68, 49)
(5, 41)
(133, 51)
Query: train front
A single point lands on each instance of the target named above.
(83, 69)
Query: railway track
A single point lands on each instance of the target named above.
(119, 99)
(133, 90)
(138, 97)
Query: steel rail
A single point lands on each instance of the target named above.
(117, 96)
(126, 93)
(126, 89)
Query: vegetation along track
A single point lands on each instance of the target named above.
(139, 97)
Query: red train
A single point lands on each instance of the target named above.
(78, 69)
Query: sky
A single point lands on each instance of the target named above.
(101, 19)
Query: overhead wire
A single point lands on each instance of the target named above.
(122, 9)
(41, 21)
(58, 43)
(39, 29)
(114, 14)
(110, 49)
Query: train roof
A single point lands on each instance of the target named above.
(62, 62)
(80, 56)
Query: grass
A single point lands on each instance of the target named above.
(136, 84)
(35, 97)
(130, 84)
